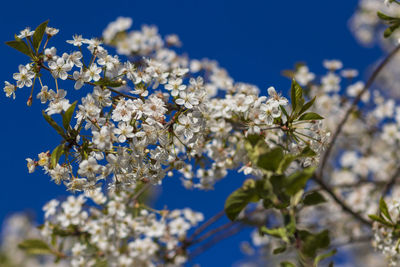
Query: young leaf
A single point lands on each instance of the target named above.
(389, 31)
(279, 232)
(380, 220)
(296, 96)
(284, 111)
(238, 200)
(384, 209)
(289, 158)
(384, 16)
(307, 105)
(108, 82)
(298, 180)
(54, 124)
(312, 242)
(287, 264)
(270, 161)
(56, 155)
(21, 46)
(310, 116)
(279, 250)
(35, 246)
(307, 152)
(285, 162)
(38, 35)
(313, 198)
(324, 256)
(67, 116)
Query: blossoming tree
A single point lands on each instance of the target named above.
(322, 165)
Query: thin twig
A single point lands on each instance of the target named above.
(341, 203)
(391, 182)
(352, 241)
(205, 225)
(213, 232)
(319, 176)
(141, 191)
(215, 240)
(354, 104)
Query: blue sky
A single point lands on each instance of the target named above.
(253, 40)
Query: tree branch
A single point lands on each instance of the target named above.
(341, 203)
(354, 104)
(319, 175)
(215, 240)
(204, 226)
(391, 182)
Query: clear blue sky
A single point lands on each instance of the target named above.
(253, 40)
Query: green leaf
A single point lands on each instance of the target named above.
(270, 160)
(67, 116)
(279, 232)
(296, 96)
(56, 155)
(307, 105)
(264, 189)
(101, 263)
(284, 111)
(312, 242)
(324, 256)
(380, 219)
(287, 264)
(389, 31)
(35, 246)
(384, 209)
(38, 35)
(238, 200)
(54, 124)
(285, 163)
(279, 250)
(289, 158)
(310, 116)
(313, 198)
(385, 17)
(108, 82)
(21, 46)
(297, 180)
(307, 152)
(253, 139)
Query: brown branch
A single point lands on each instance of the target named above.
(353, 106)
(341, 203)
(352, 241)
(215, 240)
(204, 226)
(319, 176)
(212, 232)
(391, 182)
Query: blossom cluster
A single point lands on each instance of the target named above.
(120, 236)
(150, 114)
